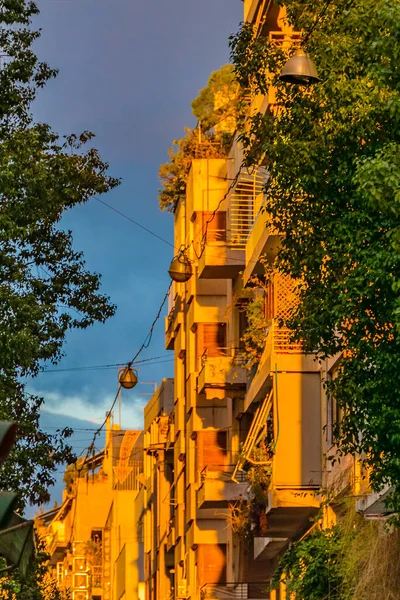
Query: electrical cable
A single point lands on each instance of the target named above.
(316, 22)
(134, 222)
(107, 366)
(149, 336)
(144, 345)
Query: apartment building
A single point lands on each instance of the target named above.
(232, 430)
(92, 538)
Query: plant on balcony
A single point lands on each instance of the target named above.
(216, 110)
(94, 552)
(353, 560)
(73, 471)
(333, 195)
(248, 518)
(255, 334)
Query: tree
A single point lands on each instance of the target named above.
(45, 288)
(333, 154)
(216, 106)
(216, 109)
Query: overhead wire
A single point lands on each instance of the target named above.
(317, 21)
(144, 345)
(133, 221)
(106, 366)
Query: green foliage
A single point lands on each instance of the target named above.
(248, 517)
(216, 109)
(310, 567)
(333, 154)
(173, 174)
(254, 335)
(354, 560)
(45, 288)
(39, 584)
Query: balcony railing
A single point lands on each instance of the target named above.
(223, 368)
(234, 591)
(285, 40)
(244, 205)
(237, 355)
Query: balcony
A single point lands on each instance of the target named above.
(221, 260)
(234, 591)
(172, 323)
(373, 505)
(171, 534)
(268, 547)
(162, 434)
(59, 541)
(222, 254)
(217, 489)
(263, 242)
(207, 531)
(280, 354)
(225, 371)
(289, 513)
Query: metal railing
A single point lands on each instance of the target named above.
(234, 591)
(243, 208)
(237, 355)
(285, 40)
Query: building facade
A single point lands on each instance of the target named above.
(93, 539)
(249, 447)
(234, 459)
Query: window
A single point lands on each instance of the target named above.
(97, 535)
(211, 339)
(211, 563)
(214, 224)
(212, 450)
(60, 572)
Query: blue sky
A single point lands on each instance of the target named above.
(129, 70)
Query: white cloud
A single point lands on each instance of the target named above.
(83, 406)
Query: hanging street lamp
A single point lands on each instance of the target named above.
(299, 69)
(127, 378)
(180, 269)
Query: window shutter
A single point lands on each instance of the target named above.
(216, 228)
(212, 451)
(269, 309)
(214, 338)
(211, 563)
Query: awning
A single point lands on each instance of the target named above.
(17, 543)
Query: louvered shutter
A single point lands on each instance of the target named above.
(211, 563)
(216, 226)
(212, 451)
(214, 338)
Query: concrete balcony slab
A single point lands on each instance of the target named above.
(221, 260)
(217, 492)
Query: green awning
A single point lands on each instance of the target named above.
(17, 543)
